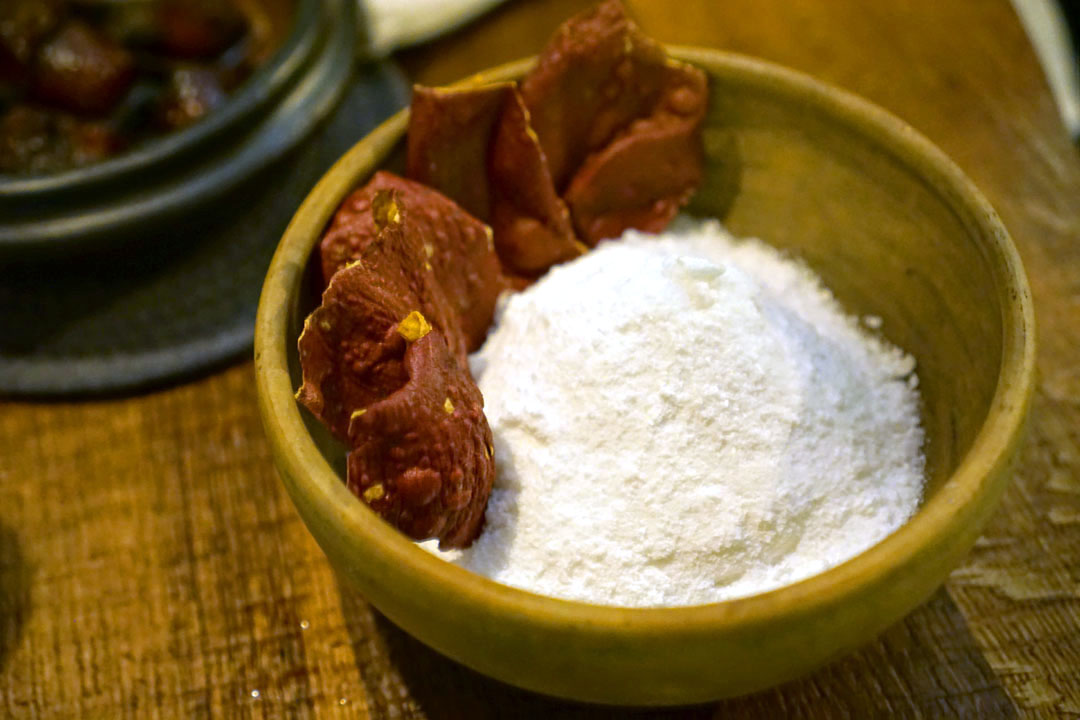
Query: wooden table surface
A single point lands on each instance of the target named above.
(152, 565)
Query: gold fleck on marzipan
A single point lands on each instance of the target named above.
(414, 326)
(384, 209)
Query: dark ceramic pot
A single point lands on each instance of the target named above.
(126, 198)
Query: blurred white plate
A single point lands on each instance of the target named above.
(392, 24)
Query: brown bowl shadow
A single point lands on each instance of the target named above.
(926, 665)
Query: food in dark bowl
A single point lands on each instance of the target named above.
(84, 80)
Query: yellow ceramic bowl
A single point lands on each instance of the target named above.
(894, 228)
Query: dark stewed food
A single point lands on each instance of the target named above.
(83, 80)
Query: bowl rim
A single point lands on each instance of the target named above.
(301, 464)
(265, 83)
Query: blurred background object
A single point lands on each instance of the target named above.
(83, 80)
(1054, 29)
(390, 24)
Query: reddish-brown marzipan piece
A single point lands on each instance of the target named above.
(385, 344)
(649, 170)
(596, 75)
(82, 70)
(450, 131)
(422, 456)
(530, 221)
(350, 350)
(475, 146)
(452, 244)
(353, 227)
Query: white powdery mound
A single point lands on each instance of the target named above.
(686, 418)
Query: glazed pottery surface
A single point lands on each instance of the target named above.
(893, 228)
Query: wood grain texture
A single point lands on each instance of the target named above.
(152, 566)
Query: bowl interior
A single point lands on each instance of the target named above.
(883, 239)
(893, 228)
